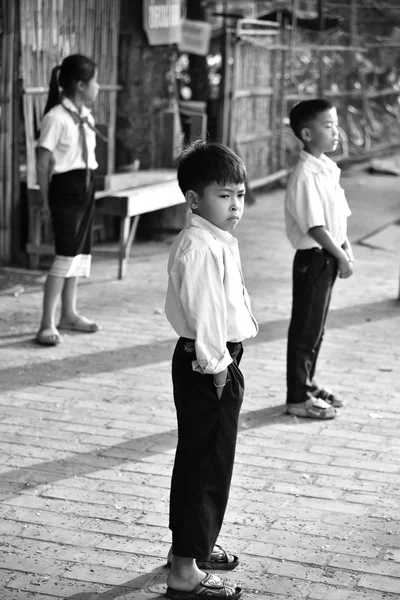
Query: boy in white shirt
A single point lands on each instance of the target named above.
(208, 306)
(316, 214)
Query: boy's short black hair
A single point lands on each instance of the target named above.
(307, 111)
(203, 163)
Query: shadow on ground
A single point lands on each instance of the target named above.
(108, 361)
(152, 582)
(133, 450)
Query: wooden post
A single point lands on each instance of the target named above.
(353, 23)
(146, 74)
(198, 69)
(321, 23)
(16, 218)
(353, 41)
(226, 83)
(398, 297)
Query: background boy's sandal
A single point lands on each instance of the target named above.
(211, 587)
(81, 324)
(329, 397)
(313, 408)
(219, 560)
(48, 337)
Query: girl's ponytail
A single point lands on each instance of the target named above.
(65, 78)
(54, 90)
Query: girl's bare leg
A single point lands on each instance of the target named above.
(70, 318)
(52, 292)
(68, 300)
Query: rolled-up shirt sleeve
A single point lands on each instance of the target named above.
(202, 296)
(305, 205)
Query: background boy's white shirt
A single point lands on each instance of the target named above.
(314, 197)
(206, 297)
(59, 134)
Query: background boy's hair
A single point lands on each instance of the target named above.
(303, 113)
(203, 163)
(74, 68)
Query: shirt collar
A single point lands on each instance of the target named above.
(85, 111)
(217, 232)
(317, 165)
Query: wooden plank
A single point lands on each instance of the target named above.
(261, 24)
(316, 48)
(256, 32)
(268, 91)
(124, 181)
(138, 201)
(104, 87)
(147, 177)
(261, 181)
(252, 137)
(124, 204)
(131, 179)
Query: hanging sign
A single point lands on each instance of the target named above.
(196, 36)
(162, 21)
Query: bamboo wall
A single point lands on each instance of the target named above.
(253, 106)
(272, 73)
(50, 31)
(256, 98)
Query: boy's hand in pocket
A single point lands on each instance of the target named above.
(220, 380)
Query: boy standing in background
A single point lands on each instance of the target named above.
(316, 214)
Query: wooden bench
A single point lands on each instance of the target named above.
(145, 191)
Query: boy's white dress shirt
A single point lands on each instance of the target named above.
(206, 297)
(314, 198)
(59, 133)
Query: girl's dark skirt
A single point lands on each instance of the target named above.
(72, 208)
(207, 432)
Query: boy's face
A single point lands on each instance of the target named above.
(221, 204)
(322, 134)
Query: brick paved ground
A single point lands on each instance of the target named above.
(87, 432)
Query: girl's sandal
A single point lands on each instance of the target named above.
(80, 324)
(47, 337)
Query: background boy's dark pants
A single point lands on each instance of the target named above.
(207, 431)
(314, 273)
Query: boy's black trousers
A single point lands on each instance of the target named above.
(314, 273)
(207, 431)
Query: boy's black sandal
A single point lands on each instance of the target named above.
(329, 397)
(312, 408)
(211, 587)
(219, 560)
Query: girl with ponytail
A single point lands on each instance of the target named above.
(65, 162)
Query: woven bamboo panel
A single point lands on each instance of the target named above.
(54, 29)
(254, 103)
(254, 68)
(256, 156)
(252, 115)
